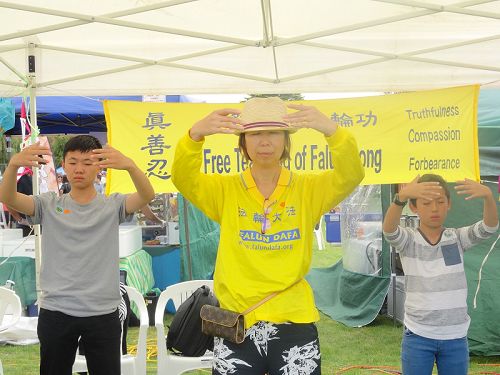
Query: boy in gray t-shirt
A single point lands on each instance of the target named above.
(79, 276)
(436, 319)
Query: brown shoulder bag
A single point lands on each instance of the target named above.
(229, 325)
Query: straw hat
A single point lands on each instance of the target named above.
(264, 114)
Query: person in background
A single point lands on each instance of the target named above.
(59, 181)
(267, 216)
(79, 278)
(24, 186)
(103, 180)
(97, 184)
(65, 186)
(151, 216)
(436, 319)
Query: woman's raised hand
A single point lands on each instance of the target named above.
(310, 117)
(222, 121)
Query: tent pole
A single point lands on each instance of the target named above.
(186, 235)
(36, 189)
(393, 271)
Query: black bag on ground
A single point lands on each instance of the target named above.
(184, 335)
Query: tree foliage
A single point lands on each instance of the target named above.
(56, 142)
(15, 143)
(285, 97)
(57, 146)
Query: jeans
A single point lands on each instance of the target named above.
(418, 355)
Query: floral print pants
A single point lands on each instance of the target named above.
(274, 349)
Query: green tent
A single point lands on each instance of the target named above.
(488, 118)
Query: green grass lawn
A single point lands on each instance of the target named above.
(344, 350)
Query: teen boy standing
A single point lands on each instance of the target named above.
(436, 319)
(79, 276)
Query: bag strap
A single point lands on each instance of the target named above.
(272, 295)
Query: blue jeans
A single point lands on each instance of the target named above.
(418, 355)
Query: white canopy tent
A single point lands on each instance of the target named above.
(126, 47)
(138, 47)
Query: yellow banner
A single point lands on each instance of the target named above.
(399, 136)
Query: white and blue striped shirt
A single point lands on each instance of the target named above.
(435, 283)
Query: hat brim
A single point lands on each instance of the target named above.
(267, 126)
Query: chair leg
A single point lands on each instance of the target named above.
(319, 239)
(129, 369)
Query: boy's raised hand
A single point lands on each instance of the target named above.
(423, 190)
(109, 157)
(472, 189)
(30, 156)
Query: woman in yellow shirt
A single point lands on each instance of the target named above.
(267, 216)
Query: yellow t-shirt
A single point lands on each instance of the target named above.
(266, 244)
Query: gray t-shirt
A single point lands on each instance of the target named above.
(79, 273)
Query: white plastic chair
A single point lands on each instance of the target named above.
(10, 311)
(130, 364)
(169, 363)
(10, 308)
(3, 225)
(318, 232)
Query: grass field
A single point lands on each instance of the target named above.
(344, 350)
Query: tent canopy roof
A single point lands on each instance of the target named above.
(130, 47)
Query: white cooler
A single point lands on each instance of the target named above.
(130, 239)
(10, 234)
(363, 256)
(20, 247)
(173, 233)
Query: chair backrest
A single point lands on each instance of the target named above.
(178, 293)
(9, 300)
(140, 358)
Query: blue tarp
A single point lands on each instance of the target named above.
(74, 114)
(6, 115)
